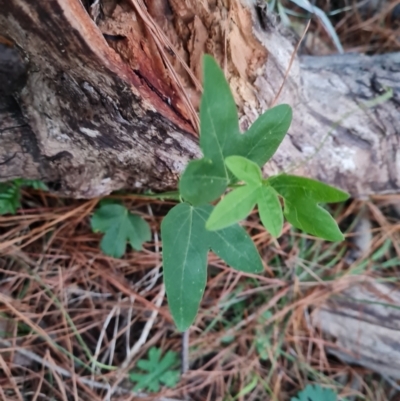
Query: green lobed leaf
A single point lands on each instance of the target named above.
(157, 370)
(313, 219)
(205, 180)
(170, 378)
(186, 243)
(9, 198)
(35, 184)
(270, 210)
(301, 196)
(293, 187)
(119, 226)
(234, 207)
(315, 393)
(244, 169)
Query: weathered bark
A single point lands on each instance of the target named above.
(363, 323)
(109, 95)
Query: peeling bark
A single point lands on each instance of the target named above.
(105, 97)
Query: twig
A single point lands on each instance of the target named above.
(146, 330)
(139, 343)
(61, 384)
(185, 352)
(63, 372)
(290, 63)
(116, 326)
(128, 320)
(7, 371)
(101, 336)
(391, 382)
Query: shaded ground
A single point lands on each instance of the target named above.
(74, 323)
(60, 296)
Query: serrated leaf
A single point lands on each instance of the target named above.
(270, 210)
(9, 198)
(234, 207)
(220, 137)
(120, 226)
(35, 184)
(158, 370)
(293, 187)
(170, 379)
(244, 169)
(315, 393)
(186, 243)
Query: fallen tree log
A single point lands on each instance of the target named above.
(105, 95)
(362, 323)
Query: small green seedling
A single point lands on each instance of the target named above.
(195, 226)
(119, 226)
(231, 161)
(157, 370)
(263, 337)
(10, 194)
(315, 393)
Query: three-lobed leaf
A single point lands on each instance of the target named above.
(307, 216)
(294, 187)
(186, 243)
(156, 370)
(302, 197)
(119, 226)
(301, 202)
(206, 179)
(315, 393)
(240, 202)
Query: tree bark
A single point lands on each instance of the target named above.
(102, 95)
(362, 326)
